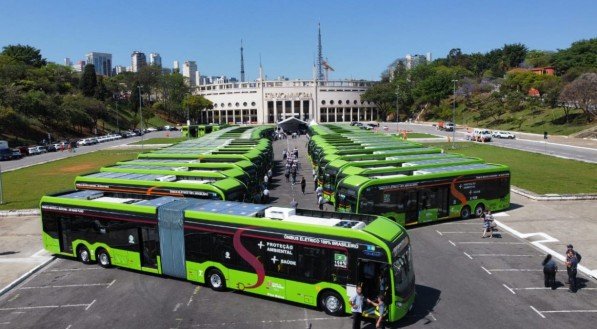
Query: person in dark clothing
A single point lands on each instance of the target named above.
(570, 247)
(356, 304)
(549, 271)
(303, 184)
(571, 268)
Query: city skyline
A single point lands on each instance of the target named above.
(359, 40)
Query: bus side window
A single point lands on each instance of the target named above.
(223, 250)
(312, 265)
(197, 245)
(50, 225)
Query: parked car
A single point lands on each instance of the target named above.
(503, 134)
(5, 154)
(41, 149)
(16, 154)
(151, 129)
(51, 148)
(32, 150)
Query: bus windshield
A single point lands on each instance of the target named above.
(347, 199)
(404, 274)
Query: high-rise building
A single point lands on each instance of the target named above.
(68, 62)
(79, 66)
(188, 71)
(138, 60)
(101, 61)
(119, 69)
(176, 66)
(197, 78)
(155, 59)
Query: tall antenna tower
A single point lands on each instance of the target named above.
(320, 76)
(242, 63)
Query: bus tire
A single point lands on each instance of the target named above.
(465, 212)
(216, 280)
(83, 254)
(103, 258)
(479, 209)
(331, 303)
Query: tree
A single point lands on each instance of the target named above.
(538, 58)
(101, 91)
(514, 54)
(582, 93)
(88, 81)
(25, 54)
(580, 54)
(195, 104)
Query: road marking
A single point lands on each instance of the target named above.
(539, 244)
(489, 242)
(24, 260)
(549, 288)
(469, 256)
(88, 306)
(460, 232)
(111, 283)
(571, 311)
(176, 307)
(4, 322)
(438, 232)
(307, 323)
(70, 325)
(70, 286)
(24, 308)
(512, 291)
(501, 255)
(536, 311)
(14, 297)
(194, 293)
(452, 243)
(75, 269)
(514, 270)
(486, 270)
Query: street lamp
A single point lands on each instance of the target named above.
(454, 114)
(141, 117)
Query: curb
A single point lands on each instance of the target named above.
(19, 213)
(552, 197)
(26, 275)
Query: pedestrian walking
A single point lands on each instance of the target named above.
(269, 173)
(549, 272)
(265, 180)
(265, 195)
(293, 203)
(380, 309)
(284, 154)
(321, 202)
(303, 184)
(356, 304)
(319, 191)
(487, 224)
(294, 177)
(314, 184)
(571, 268)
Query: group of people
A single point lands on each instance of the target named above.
(550, 268)
(357, 302)
(266, 179)
(292, 165)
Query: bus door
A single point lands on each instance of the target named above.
(66, 243)
(373, 277)
(149, 246)
(443, 196)
(427, 205)
(410, 201)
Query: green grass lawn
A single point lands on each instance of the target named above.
(421, 135)
(161, 140)
(24, 187)
(535, 172)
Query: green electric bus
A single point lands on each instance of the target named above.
(429, 194)
(309, 257)
(128, 184)
(330, 183)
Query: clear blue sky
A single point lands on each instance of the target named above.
(360, 38)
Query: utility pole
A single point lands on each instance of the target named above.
(454, 114)
(397, 106)
(1, 187)
(141, 117)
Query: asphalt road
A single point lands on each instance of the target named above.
(51, 156)
(587, 154)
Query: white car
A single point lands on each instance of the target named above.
(503, 134)
(479, 135)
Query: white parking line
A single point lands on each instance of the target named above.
(459, 232)
(512, 291)
(4, 323)
(486, 270)
(501, 255)
(469, 256)
(75, 269)
(514, 270)
(536, 311)
(489, 242)
(176, 307)
(88, 306)
(452, 243)
(549, 288)
(71, 286)
(438, 232)
(24, 308)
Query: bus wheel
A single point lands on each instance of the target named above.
(465, 213)
(83, 255)
(479, 210)
(216, 280)
(332, 303)
(104, 258)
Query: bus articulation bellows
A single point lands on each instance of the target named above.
(309, 257)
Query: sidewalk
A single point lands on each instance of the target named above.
(21, 249)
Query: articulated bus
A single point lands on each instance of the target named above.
(128, 184)
(309, 257)
(330, 183)
(428, 194)
(363, 149)
(379, 155)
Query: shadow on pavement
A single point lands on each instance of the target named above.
(425, 302)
